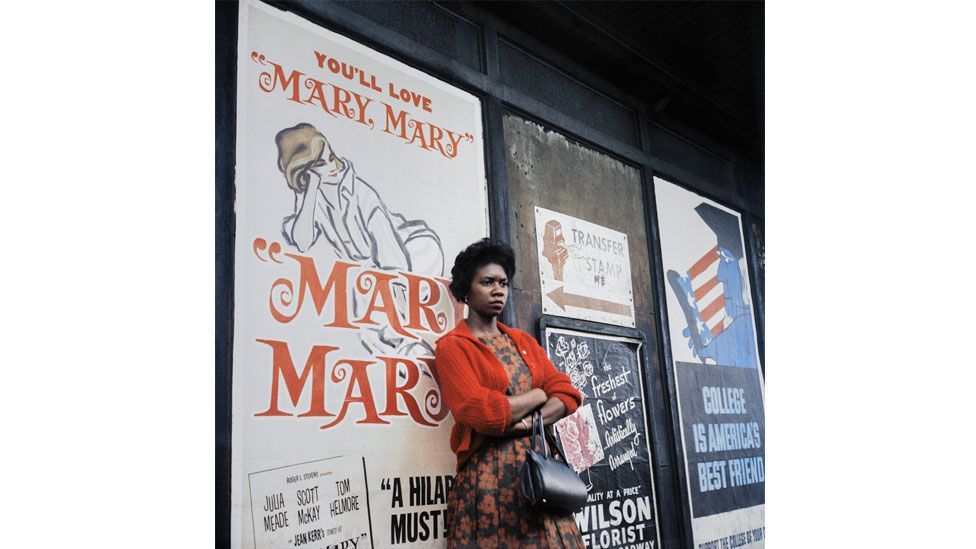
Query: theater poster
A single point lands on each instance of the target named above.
(720, 388)
(358, 180)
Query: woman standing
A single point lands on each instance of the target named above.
(493, 378)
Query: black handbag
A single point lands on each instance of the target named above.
(547, 482)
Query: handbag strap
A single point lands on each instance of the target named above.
(539, 431)
(554, 445)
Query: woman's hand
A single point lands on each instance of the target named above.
(525, 403)
(523, 406)
(553, 411)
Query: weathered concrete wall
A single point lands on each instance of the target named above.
(545, 169)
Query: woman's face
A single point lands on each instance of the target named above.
(489, 290)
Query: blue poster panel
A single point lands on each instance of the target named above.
(712, 330)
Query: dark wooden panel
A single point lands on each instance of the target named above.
(753, 186)
(540, 80)
(428, 24)
(225, 133)
(717, 176)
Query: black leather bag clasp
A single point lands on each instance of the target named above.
(546, 481)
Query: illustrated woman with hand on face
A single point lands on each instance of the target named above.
(492, 379)
(334, 204)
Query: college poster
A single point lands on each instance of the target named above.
(717, 372)
(358, 180)
(606, 439)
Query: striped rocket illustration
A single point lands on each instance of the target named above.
(709, 293)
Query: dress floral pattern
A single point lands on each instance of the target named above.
(486, 508)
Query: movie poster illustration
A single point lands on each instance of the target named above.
(717, 372)
(358, 180)
(606, 439)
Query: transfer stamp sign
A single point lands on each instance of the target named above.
(721, 399)
(606, 439)
(357, 179)
(584, 269)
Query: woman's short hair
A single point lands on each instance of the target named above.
(299, 148)
(481, 253)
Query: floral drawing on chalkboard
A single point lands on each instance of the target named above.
(575, 361)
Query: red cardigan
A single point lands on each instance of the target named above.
(473, 384)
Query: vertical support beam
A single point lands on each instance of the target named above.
(224, 225)
(679, 526)
(490, 49)
(496, 165)
(756, 284)
(498, 207)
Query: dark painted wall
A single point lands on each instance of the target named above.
(225, 70)
(546, 169)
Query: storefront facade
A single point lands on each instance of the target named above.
(639, 243)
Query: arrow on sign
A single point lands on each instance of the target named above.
(562, 299)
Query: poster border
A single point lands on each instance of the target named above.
(682, 515)
(225, 221)
(233, 107)
(612, 331)
(758, 286)
(663, 326)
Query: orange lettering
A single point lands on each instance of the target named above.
(457, 306)
(435, 323)
(399, 122)
(341, 100)
(284, 368)
(381, 301)
(435, 138)
(433, 396)
(393, 390)
(269, 83)
(309, 281)
(357, 369)
(418, 133)
(362, 102)
(317, 95)
(452, 147)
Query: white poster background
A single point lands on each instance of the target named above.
(684, 236)
(308, 491)
(421, 184)
(584, 269)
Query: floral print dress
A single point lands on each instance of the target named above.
(486, 508)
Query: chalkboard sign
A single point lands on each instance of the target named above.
(606, 440)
